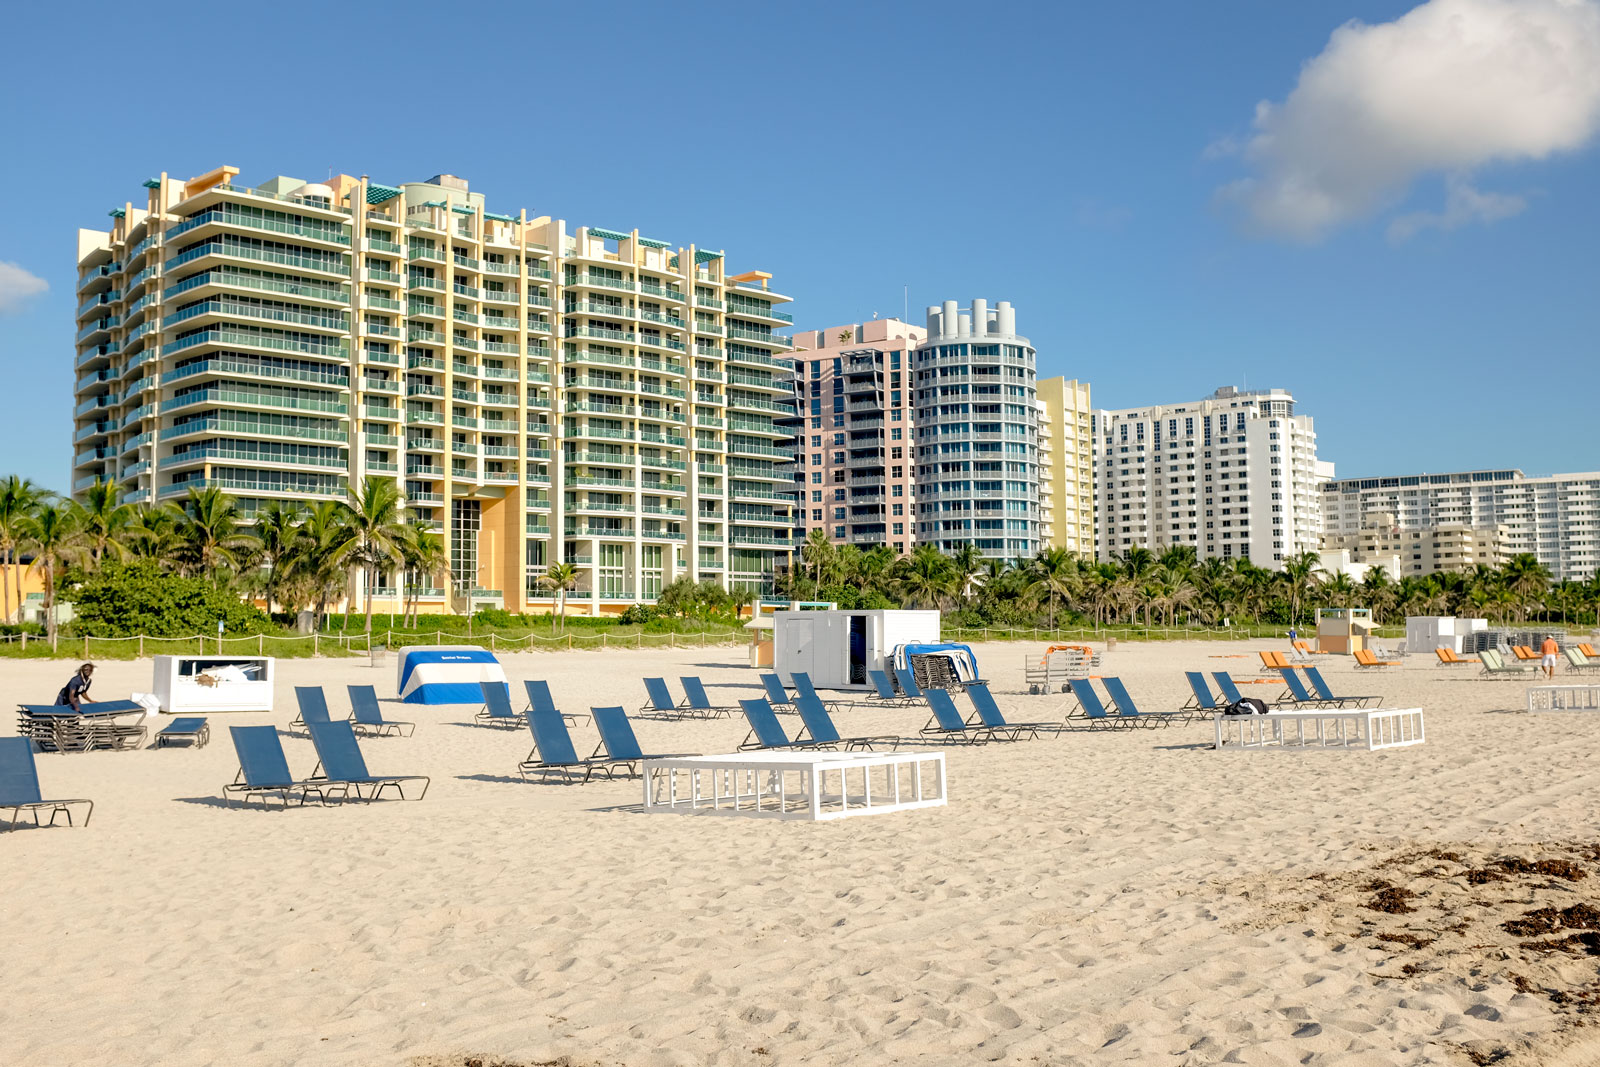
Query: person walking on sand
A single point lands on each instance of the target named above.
(1549, 650)
(1292, 635)
(77, 687)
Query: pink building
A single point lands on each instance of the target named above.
(854, 447)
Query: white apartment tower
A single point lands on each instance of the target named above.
(977, 432)
(1234, 475)
(1555, 518)
(540, 395)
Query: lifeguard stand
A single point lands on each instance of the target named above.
(1344, 630)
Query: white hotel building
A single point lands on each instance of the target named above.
(1556, 518)
(1234, 475)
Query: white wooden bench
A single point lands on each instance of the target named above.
(1366, 729)
(1564, 698)
(795, 785)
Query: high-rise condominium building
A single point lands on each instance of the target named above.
(854, 449)
(540, 395)
(1234, 475)
(1556, 518)
(1414, 551)
(977, 439)
(1066, 466)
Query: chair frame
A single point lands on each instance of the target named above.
(378, 727)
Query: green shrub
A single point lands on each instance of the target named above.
(495, 617)
(124, 600)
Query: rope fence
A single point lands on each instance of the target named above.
(141, 645)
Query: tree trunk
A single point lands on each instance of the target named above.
(370, 569)
(5, 605)
(50, 601)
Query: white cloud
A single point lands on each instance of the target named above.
(1462, 204)
(1450, 86)
(17, 287)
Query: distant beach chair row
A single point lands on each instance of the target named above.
(340, 770)
(1122, 712)
(366, 716)
(1319, 695)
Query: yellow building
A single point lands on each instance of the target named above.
(1066, 466)
(539, 394)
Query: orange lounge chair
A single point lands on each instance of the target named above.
(1588, 650)
(1308, 650)
(1449, 658)
(1523, 652)
(1273, 662)
(1365, 658)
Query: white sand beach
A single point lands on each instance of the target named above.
(1104, 897)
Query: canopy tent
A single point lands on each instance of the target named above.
(446, 674)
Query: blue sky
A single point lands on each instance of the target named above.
(1079, 160)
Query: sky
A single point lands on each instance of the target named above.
(1387, 208)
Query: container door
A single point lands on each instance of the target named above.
(858, 650)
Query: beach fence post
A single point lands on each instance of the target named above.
(141, 646)
(261, 644)
(316, 644)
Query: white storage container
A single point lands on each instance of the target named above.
(837, 648)
(198, 684)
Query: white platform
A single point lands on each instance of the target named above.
(1365, 729)
(187, 685)
(1564, 698)
(795, 785)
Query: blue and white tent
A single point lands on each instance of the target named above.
(446, 674)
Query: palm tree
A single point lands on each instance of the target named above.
(925, 576)
(19, 499)
(53, 535)
(1300, 574)
(104, 520)
(210, 539)
(423, 559)
(276, 527)
(560, 577)
(1340, 590)
(818, 554)
(375, 522)
(968, 564)
(1056, 575)
(1526, 579)
(1378, 592)
(152, 533)
(317, 565)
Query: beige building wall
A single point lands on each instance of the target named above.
(1066, 453)
(1421, 550)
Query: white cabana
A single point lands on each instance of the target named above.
(446, 674)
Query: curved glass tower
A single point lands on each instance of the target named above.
(977, 435)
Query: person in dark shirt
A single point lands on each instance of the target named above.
(77, 687)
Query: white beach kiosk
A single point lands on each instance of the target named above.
(838, 648)
(446, 674)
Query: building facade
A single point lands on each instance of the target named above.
(1555, 518)
(539, 395)
(854, 446)
(1234, 475)
(1416, 551)
(977, 435)
(1066, 466)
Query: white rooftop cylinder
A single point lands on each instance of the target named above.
(980, 317)
(948, 322)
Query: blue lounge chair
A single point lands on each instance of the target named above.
(1295, 691)
(339, 763)
(989, 714)
(1126, 708)
(618, 742)
(1201, 700)
(263, 770)
(312, 703)
(552, 751)
(765, 730)
(908, 684)
(1094, 713)
(496, 710)
(658, 700)
(539, 698)
(886, 697)
(19, 786)
(1315, 677)
(696, 701)
(367, 716)
(803, 687)
(946, 722)
(819, 725)
(777, 696)
(192, 729)
(1225, 686)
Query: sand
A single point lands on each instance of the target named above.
(1127, 897)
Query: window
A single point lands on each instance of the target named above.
(816, 477)
(816, 496)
